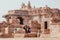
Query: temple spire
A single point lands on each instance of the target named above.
(29, 5)
(34, 6)
(23, 5)
(46, 6)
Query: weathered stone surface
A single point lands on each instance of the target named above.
(37, 18)
(30, 35)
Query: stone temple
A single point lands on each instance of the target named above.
(43, 21)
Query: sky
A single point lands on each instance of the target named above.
(6, 5)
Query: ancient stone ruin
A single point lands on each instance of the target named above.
(43, 22)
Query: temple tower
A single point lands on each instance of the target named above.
(23, 5)
(28, 5)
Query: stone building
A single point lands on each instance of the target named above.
(45, 19)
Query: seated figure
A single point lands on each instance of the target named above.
(27, 29)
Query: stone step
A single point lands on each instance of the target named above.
(19, 35)
(31, 35)
(45, 35)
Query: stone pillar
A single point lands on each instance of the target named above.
(6, 30)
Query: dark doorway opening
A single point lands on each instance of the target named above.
(46, 25)
(21, 20)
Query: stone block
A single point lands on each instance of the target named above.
(31, 35)
(46, 31)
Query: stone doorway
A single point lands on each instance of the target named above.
(46, 25)
(21, 20)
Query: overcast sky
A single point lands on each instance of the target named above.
(6, 5)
